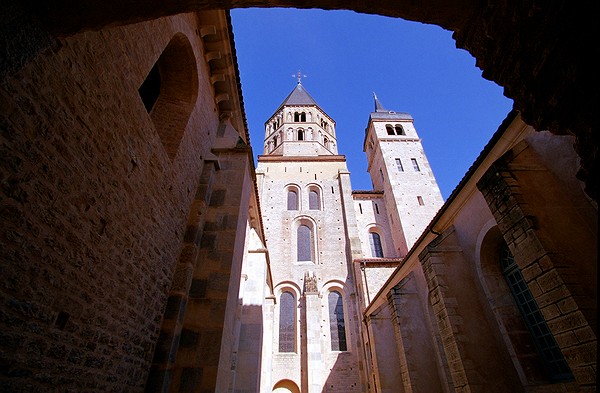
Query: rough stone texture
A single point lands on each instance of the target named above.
(558, 270)
(474, 357)
(522, 191)
(539, 52)
(410, 191)
(99, 204)
(94, 206)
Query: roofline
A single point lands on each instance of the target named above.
(489, 147)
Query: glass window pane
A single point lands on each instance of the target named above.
(375, 242)
(287, 322)
(313, 200)
(304, 243)
(337, 325)
(542, 337)
(292, 200)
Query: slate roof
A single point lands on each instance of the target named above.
(383, 114)
(298, 96)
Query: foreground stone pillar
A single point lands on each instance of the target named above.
(314, 369)
(549, 235)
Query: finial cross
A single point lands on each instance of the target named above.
(299, 75)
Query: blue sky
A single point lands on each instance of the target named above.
(412, 67)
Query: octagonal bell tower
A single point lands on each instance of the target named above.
(300, 128)
(306, 197)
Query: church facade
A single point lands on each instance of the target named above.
(142, 250)
(331, 247)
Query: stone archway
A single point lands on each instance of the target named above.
(286, 386)
(539, 52)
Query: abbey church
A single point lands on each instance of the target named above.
(142, 250)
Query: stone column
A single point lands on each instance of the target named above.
(534, 211)
(204, 356)
(163, 362)
(314, 356)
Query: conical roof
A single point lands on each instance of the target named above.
(298, 96)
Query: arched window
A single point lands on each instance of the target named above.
(304, 238)
(287, 322)
(313, 200)
(292, 200)
(275, 141)
(326, 142)
(389, 129)
(303, 117)
(169, 92)
(300, 134)
(399, 130)
(296, 117)
(375, 242)
(536, 324)
(337, 326)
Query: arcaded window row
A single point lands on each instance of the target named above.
(288, 320)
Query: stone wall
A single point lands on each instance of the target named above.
(95, 203)
(539, 52)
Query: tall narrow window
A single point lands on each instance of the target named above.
(287, 322)
(292, 200)
(381, 173)
(375, 242)
(303, 117)
(296, 117)
(313, 200)
(304, 243)
(420, 200)
(274, 141)
(300, 134)
(415, 164)
(399, 165)
(389, 129)
(399, 130)
(542, 336)
(337, 325)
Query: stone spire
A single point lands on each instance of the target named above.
(378, 106)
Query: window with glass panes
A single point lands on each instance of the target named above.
(304, 239)
(313, 200)
(337, 325)
(292, 200)
(287, 322)
(375, 242)
(542, 336)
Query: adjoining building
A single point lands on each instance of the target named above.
(143, 251)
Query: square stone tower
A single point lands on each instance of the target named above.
(400, 170)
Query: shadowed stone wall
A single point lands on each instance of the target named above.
(540, 52)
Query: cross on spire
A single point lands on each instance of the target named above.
(299, 75)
